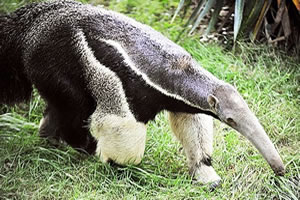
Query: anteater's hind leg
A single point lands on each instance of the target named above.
(48, 125)
(66, 116)
(195, 132)
(69, 125)
(53, 65)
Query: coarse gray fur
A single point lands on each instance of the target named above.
(149, 51)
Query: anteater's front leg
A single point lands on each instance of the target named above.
(195, 132)
(121, 139)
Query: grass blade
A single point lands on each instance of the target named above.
(12, 122)
(238, 16)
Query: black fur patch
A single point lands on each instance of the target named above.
(207, 161)
(14, 84)
(144, 101)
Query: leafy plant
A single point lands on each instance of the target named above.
(274, 21)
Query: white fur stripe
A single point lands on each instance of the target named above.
(94, 67)
(129, 62)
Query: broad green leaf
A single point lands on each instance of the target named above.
(209, 4)
(238, 16)
(195, 13)
(262, 15)
(192, 18)
(214, 17)
(181, 3)
(251, 13)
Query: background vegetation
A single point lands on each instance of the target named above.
(30, 168)
(274, 22)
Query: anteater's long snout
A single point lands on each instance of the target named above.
(252, 130)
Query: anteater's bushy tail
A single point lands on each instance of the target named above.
(14, 85)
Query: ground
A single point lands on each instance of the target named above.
(30, 168)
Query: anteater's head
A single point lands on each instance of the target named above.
(231, 108)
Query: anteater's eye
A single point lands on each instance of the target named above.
(230, 121)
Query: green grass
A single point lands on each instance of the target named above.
(30, 168)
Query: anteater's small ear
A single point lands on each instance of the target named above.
(212, 101)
